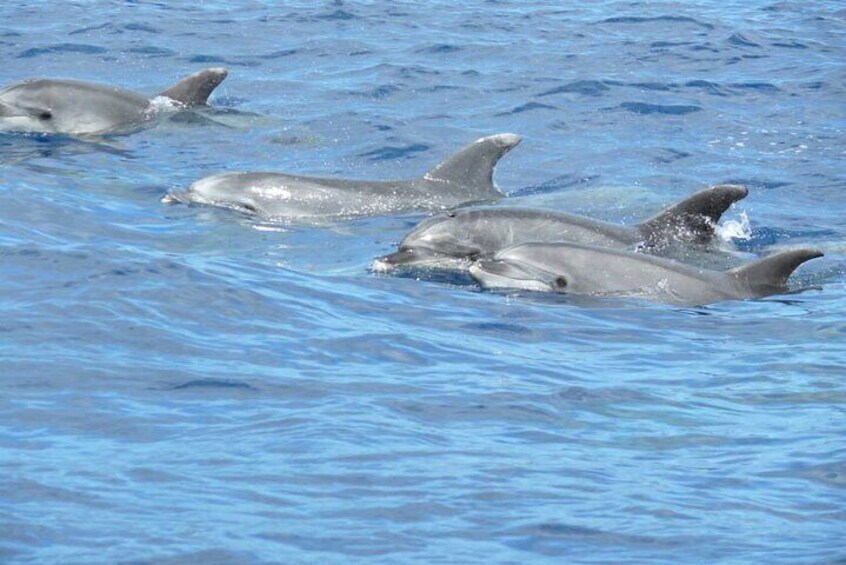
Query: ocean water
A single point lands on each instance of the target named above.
(188, 385)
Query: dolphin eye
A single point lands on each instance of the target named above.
(45, 115)
(560, 283)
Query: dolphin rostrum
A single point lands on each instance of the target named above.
(583, 269)
(78, 108)
(465, 177)
(453, 240)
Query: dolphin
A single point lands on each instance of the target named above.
(73, 107)
(465, 177)
(451, 241)
(584, 269)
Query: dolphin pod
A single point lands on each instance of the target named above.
(454, 239)
(502, 248)
(584, 269)
(547, 251)
(73, 107)
(466, 177)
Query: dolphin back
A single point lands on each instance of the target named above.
(194, 90)
(770, 274)
(693, 219)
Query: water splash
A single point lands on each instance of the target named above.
(163, 105)
(735, 229)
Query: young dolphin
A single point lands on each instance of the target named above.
(78, 108)
(465, 177)
(583, 269)
(453, 240)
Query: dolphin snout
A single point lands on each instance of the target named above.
(405, 257)
(491, 267)
(175, 197)
(495, 273)
(401, 257)
(485, 273)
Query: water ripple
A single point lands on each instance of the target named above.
(666, 109)
(62, 48)
(186, 384)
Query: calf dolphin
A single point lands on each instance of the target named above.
(584, 269)
(465, 177)
(453, 240)
(74, 107)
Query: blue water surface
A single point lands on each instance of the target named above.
(188, 385)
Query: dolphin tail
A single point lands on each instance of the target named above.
(194, 90)
(772, 272)
(695, 217)
(473, 165)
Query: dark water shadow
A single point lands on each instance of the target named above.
(557, 184)
(214, 384)
(18, 147)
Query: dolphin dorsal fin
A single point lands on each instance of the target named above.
(695, 217)
(473, 165)
(194, 90)
(773, 271)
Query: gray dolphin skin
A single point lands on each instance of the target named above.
(73, 107)
(466, 177)
(453, 240)
(583, 269)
